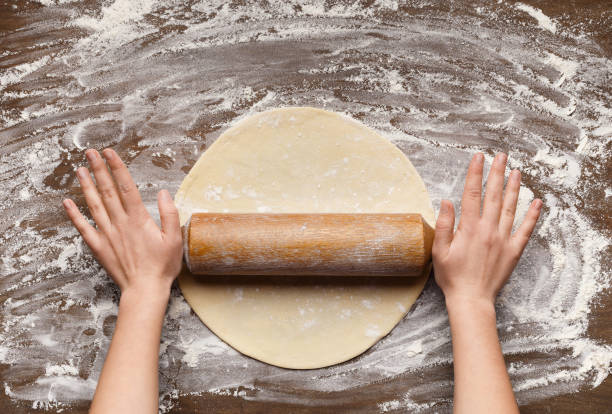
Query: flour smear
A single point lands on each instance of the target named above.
(159, 81)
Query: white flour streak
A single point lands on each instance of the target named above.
(567, 68)
(17, 73)
(543, 20)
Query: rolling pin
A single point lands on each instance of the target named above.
(307, 244)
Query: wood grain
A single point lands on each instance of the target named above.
(308, 244)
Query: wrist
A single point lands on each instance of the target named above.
(469, 305)
(153, 296)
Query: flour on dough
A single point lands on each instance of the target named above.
(301, 160)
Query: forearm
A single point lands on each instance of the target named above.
(128, 382)
(482, 384)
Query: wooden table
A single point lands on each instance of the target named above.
(50, 94)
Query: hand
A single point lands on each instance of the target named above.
(474, 263)
(138, 255)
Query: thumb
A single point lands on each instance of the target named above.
(168, 215)
(444, 228)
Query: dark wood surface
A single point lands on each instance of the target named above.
(592, 17)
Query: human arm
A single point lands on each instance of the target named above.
(143, 260)
(471, 265)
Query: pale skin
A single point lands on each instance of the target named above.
(143, 260)
(471, 265)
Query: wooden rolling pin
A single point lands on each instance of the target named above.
(307, 244)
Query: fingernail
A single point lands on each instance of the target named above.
(443, 207)
(108, 154)
(91, 155)
(81, 173)
(538, 204)
(502, 157)
(166, 195)
(66, 204)
(479, 157)
(516, 174)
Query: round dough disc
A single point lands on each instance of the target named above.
(301, 160)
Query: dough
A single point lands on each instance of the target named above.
(301, 160)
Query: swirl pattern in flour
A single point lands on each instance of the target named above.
(160, 80)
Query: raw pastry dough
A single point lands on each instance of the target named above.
(301, 160)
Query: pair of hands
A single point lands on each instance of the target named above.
(470, 264)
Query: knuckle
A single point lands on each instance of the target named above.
(443, 223)
(509, 211)
(473, 193)
(171, 212)
(96, 208)
(106, 192)
(494, 196)
(115, 164)
(125, 188)
(442, 227)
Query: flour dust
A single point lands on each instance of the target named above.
(160, 80)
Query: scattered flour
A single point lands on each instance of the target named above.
(17, 73)
(567, 68)
(160, 72)
(564, 170)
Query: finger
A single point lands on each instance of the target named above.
(93, 200)
(128, 192)
(444, 229)
(470, 202)
(168, 214)
(106, 186)
(491, 208)
(509, 205)
(522, 235)
(94, 240)
(89, 233)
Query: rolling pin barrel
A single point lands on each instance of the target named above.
(308, 244)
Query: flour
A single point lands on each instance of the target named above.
(163, 83)
(122, 16)
(567, 68)
(58, 370)
(564, 170)
(17, 73)
(405, 404)
(543, 20)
